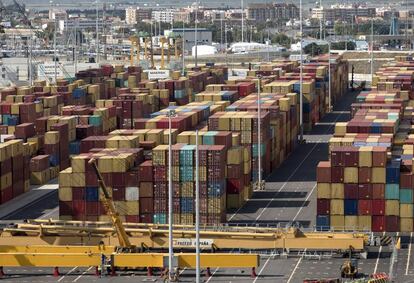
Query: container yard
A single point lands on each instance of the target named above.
(115, 144)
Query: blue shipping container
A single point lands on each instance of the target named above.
(351, 207)
(92, 194)
(406, 196)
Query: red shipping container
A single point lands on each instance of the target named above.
(337, 157)
(406, 180)
(65, 208)
(364, 174)
(145, 171)
(364, 207)
(364, 191)
(78, 207)
(351, 191)
(146, 205)
(350, 156)
(176, 205)
(6, 194)
(323, 206)
(378, 191)
(92, 208)
(78, 193)
(337, 174)
(378, 207)
(146, 218)
(6, 166)
(132, 218)
(235, 186)
(118, 193)
(25, 130)
(323, 172)
(378, 224)
(234, 171)
(392, 223)
(379, 156)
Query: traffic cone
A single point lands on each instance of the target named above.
(208, 272)
(56, 272)
(1, 271)
(253, 275)
(113, 272)
(97, 271)
(149, 271)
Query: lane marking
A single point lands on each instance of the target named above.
(67, 273)
(83, 273)
(409, 254)
(294, 270)
(303, 204)
(290, 177)
(261, 270)
(45, 216)
(379, 254)
(208, 280)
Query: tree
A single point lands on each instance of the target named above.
(314, 49)
(341, 45)
(281, 39)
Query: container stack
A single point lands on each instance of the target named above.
(80, 197)
(367, 184)
(212, 185)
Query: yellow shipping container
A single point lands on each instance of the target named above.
(351, 175)
(340, 128)
(337, 190)
(337, 222)
(406, 224)
(364, 222)
(365, 156)
(406, 210)
(392, 207)
(65, 193)
(65, 177)
(105, 164)
(132, 207)
(235, 155)
(78, 180)
(337, 207)
(323, 190)
(378, 175)
(351, 222)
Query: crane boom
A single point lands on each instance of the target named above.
(111, 210)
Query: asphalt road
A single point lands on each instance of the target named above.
(290, 196)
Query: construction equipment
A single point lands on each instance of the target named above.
(125, 244)
(349, 268)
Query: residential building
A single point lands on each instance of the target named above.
(134, 15)
(343, 13)
(262, 12)
(204, 36)
(165, 16)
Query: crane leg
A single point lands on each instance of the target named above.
(113, 272)
(56, 271)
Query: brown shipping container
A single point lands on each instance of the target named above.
(323, 172)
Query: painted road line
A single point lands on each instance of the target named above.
(304, 202)
(261, 270)
(214, 272)
(378, 258)
(294, 270)
(67, 273)
(83, 273)
(294, 172)
(409, 254)
(45, 216)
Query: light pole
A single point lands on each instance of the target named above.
(329, 77)
(242, 19)
(268, 40)
(195, 37)
(54, 40)
(197, 222)
(170, 114)
(372, 48)
(301, 73)
(97, 31)
(259, 138)
(183, 51)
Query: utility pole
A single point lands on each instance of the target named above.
(301, 72)
(221, 29)
(97, 31)
(321, 20)
(372, 49)
(197, 224)
(54, 43)
(104, 30)
(183, 51)
(242, 11)
(195, 37)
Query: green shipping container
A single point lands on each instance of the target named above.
(406, 196)
(392, 191)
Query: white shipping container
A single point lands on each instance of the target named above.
(131, 193)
